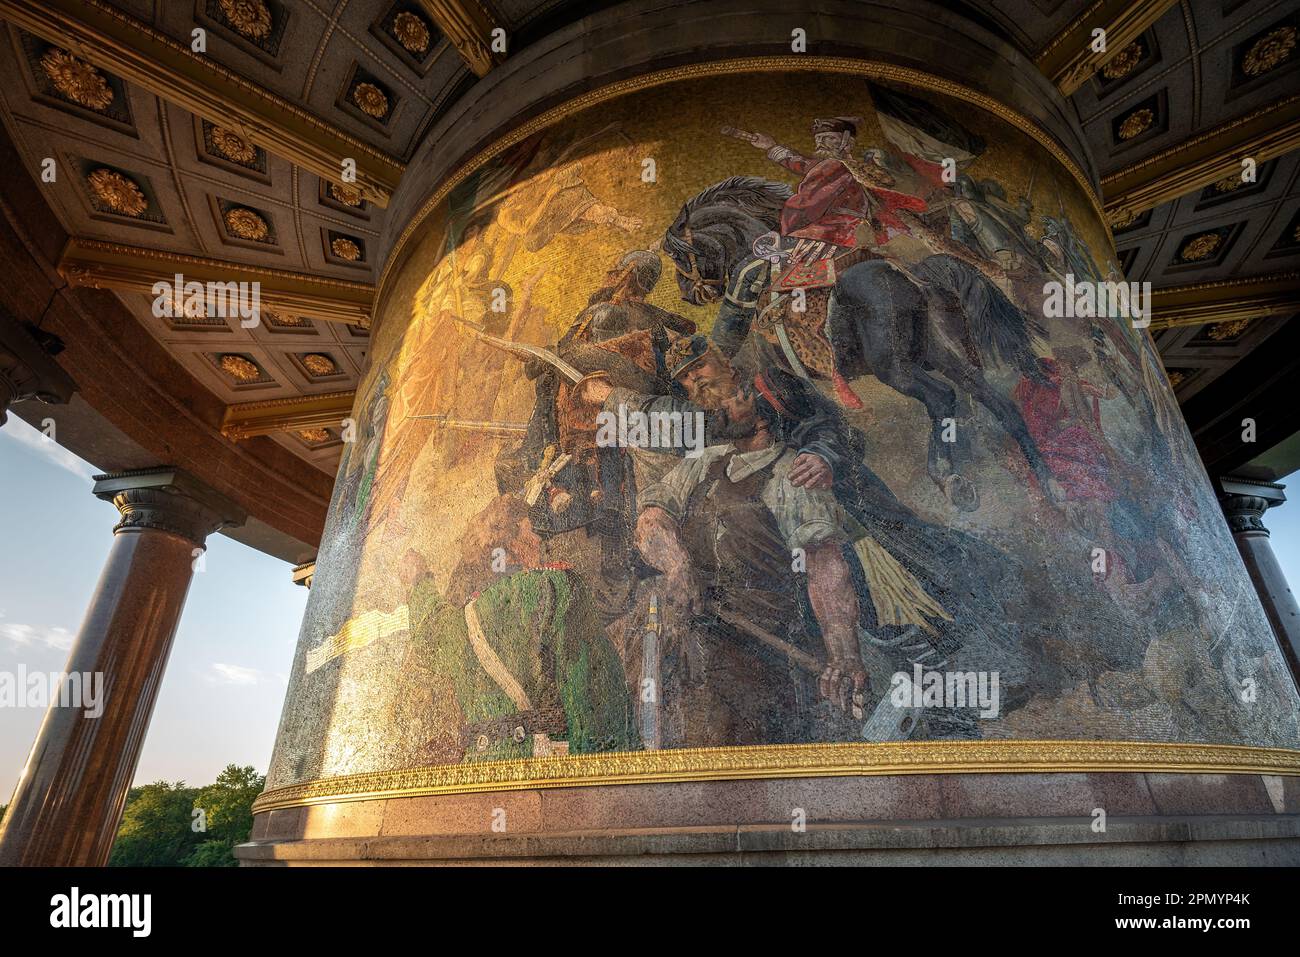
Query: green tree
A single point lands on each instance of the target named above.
(170, 825)
(155, 829)
(227, 807)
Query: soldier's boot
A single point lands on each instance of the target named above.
(848, 398)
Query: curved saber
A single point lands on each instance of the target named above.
(782, 337)
(521, 350)
(476, 425)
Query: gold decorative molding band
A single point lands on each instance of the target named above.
(1197, 162)
(766, 64)
(788, 761)
(105, 265)
(468, 27)
(109, 38)
(248, 419)
(1068, 60)
(1225, 300)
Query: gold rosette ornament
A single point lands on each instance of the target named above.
(1228, 330)
(1121, 218)
(346, 195)
(411, 33)
(319, 365)
(117, 192)
(239, 368)
(1136, 122)
(371, 100)
(1123, 62)
(281, 319)
(232, 146)
(1201, 247)
(76, 79)
(1269, 51)
(1229, 183)
(246, 224)
(346, 249)
(251, 18)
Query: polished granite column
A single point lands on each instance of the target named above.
(1244, 502)
(70, 796)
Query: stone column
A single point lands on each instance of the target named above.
(69, 799)
(1244, 502)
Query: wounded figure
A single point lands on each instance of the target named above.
(732, 535)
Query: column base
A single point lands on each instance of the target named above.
(986, 819)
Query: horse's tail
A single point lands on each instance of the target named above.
(997, 328)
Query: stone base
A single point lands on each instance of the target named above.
(1166, 841)
(1003, 819)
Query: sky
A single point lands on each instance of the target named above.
(225, 682)
(224, 686)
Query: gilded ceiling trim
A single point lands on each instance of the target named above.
(1226, 300)
(788, 761)
(1203, 159)
(468, 26)
(105, 265)
(765, 64)
(248, 419)
(108, 38)
(1068, 59)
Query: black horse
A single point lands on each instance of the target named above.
(921, 329)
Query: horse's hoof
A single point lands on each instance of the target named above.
(961, 492)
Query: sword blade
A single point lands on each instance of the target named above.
(521, 350)
(476, 425)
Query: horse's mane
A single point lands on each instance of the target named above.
(761, 198)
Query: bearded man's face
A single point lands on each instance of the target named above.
(710, 382)
(832, 145)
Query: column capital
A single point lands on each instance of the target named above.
(169, 500)
(304, 573)
(1244, 502)
(27, 369)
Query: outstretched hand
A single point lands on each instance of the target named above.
(811, 471)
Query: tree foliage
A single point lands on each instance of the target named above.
(171, 825)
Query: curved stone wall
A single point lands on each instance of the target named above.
(911, 464)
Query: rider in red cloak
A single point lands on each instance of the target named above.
(839, 192)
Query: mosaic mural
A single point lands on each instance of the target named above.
(725, 412)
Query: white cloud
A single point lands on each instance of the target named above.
(224, 674)
(16, 430)
(24, 636)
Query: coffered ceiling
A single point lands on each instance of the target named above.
(1199, 69)
(225, 161)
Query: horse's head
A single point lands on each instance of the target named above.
(716, 230)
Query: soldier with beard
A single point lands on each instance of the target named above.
(575, 489)
(725, 529)
(930, 594)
